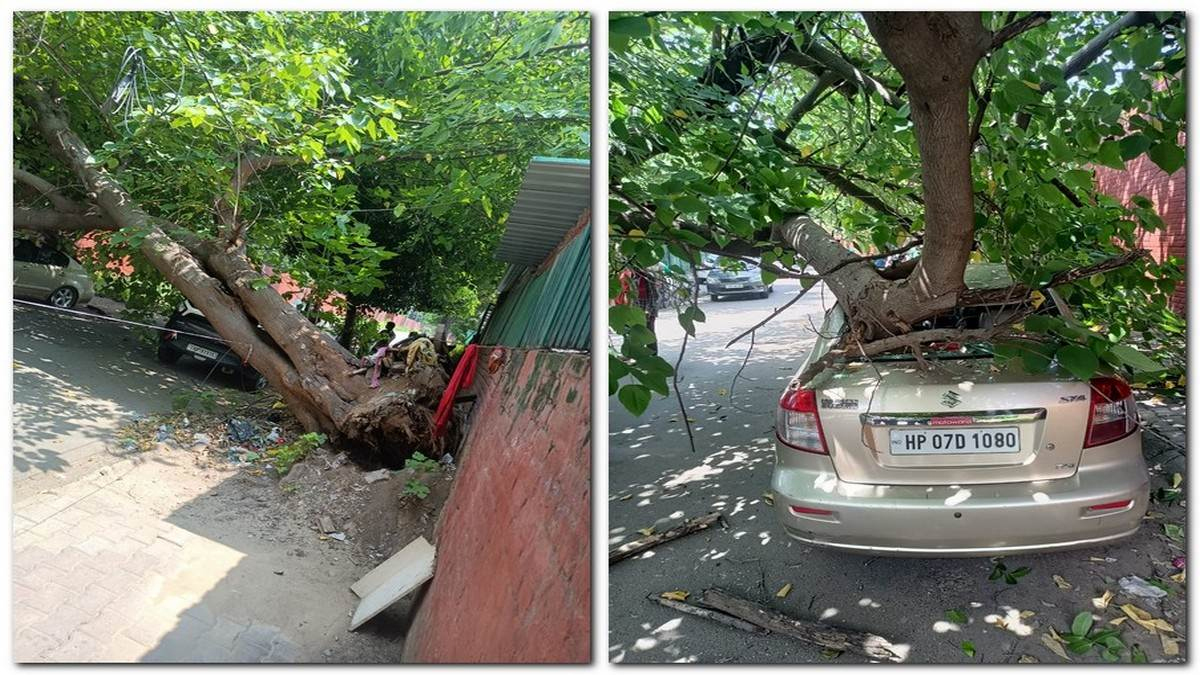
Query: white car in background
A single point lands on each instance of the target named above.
(48, 275)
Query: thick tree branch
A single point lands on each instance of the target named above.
(227, 205)
(1018, 292)
(1015, 28)
(46, 189)
(49, 220)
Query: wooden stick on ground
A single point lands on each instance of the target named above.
(683, 529)
(822, 635)
(712, 614)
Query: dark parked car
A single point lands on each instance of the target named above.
(190, 334)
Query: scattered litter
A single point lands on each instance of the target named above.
(1025, 658)
(1102, 601)
(447, 460)
(273, 438)
(783, 592)
(1179, 578)
(1179, 562)
(279, 572)
(1062, 583)
(1139, 587)
(164, 432)
(200, 440)
(376, 476)
(240, 431)
(326, 525)
(340, 536)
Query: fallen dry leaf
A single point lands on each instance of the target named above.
(646, 531)
(1062, 583)
(1055, 647)
(1146, 619)
(1025, 658)
(1179, 578)
(626, 498)
(1102, 601)
(1027, 613)
(675, 595)
(783, 592)
(769, 498)
(1170, 646)
(1118, 621)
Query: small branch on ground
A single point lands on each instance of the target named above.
(823, 635)
(650, 541)
(710, 614)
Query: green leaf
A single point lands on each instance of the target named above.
(1059, 148)
(616, 370)
(1078, 360)
(630, 26)
(1168, 156)
(1110, 155)
(635, 398)
(1082, 625)
(620, 316)
(1173, 531)
(1136, 655)
(968, 648)
(1148, 51)
(1133, 145)
(1135, 359)
(956, 616)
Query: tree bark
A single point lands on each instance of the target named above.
(306, 366)
(346, 335)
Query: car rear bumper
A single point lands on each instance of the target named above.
(752, 290)
(965, 520)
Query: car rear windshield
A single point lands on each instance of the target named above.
(963, 318)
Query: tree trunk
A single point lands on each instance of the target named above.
(312, 372)
(346, 335)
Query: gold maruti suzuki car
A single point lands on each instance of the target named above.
(959, 459)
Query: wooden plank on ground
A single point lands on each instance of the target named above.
(650, 541)
(820, 634)
(398, 576)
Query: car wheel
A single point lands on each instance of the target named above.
(167, 354)
(762, 294)
(713, 297)
(64, 298)
(253, 381)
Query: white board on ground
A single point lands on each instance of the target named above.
(398, 576)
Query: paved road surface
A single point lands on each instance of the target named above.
(76, 380)
(655, 477)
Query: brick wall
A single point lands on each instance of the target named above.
(1169, 194)
(513, 577)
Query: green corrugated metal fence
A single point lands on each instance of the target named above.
(551, 309)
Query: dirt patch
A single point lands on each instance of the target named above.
(370, 514)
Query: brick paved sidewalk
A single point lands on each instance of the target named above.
(100, 575)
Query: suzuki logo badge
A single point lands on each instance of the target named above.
(951, 399)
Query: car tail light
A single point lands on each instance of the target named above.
(797, 424)
(1113, 413)
(808, 510)
(1110, 505)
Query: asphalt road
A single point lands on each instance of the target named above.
(76, 380)
(655, 478)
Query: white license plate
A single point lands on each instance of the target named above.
(201, 351)
(955, 442)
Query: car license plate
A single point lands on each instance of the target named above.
(955, 442)
(201, 351)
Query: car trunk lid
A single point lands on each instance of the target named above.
(958, 421)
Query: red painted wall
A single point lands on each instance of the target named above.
(1169, 194)
(513, 577)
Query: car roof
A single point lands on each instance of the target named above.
(984, 276)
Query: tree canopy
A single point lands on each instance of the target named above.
(384, 141)
(791, 138)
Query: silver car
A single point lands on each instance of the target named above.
(725, 283)
(48, 275)
(960, 459)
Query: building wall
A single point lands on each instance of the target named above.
(1169, 194)
(513, 575)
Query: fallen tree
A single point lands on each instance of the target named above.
(242, 155)
(947, 168)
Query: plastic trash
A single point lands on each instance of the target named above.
(1139, 587)
(240, 431)
(164, 432)
(1179, 562)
